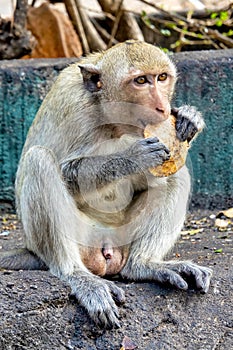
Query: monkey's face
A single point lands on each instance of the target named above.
(134, 82)
(150, 93)
(141, 98)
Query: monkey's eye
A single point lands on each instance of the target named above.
(162, 77)
(141, 80)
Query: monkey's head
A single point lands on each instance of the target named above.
(135, 73)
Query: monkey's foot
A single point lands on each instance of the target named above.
(98, 297)
(175, 273)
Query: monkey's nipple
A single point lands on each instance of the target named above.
(166, 133)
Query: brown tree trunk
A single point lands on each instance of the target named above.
(127, 26)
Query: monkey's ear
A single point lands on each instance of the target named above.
(91, 77)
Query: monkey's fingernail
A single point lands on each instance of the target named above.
(119, 299)
(183, 285)
(117, 324)
(205, 289)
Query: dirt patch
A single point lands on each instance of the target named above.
(37, 311)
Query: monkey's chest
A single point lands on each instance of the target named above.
(104, 261)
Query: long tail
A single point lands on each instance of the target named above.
(20, 259)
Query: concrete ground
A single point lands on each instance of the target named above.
(37, 311)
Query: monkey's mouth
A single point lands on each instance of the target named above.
(154, 118)
(142, 122)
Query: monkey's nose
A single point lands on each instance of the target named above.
(164, 113)
(160, 109)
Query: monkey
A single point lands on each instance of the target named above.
(89, 206)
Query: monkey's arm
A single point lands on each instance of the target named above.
(91, 172)
(189, 122)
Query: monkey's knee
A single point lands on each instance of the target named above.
(39, 173)
(37, 157)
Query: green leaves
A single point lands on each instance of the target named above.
(220, 17)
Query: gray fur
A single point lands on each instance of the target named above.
(79, 184)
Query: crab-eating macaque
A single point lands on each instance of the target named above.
(88, 203)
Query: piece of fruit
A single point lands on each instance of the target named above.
(166, 133)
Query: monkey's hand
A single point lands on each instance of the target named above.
(189, 122)
(147, 153)
(176, 273)
(98, 297)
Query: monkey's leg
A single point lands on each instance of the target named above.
(51, 221)
(160, 227)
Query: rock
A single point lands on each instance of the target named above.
(54, 32)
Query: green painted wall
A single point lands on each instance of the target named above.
(206, 80)
(23, 85)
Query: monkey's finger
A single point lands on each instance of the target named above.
(159, 146)
(163, 148)
(105, 312)
(118, 297)
(191, 131)
(166, 155)
(177, 281)
(201, 274)
(151, 140)
(117, 293)
(181, 126)
(166, 275)
(111, 316)
(160, 156)
(186, 130)
(206, 284)
(175, 111)
(197, 274)
(202, 277)
(155, 144)
(107, 320)
(113, 320)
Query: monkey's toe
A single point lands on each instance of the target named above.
(117, 293)
(99, 303)
(108, 319)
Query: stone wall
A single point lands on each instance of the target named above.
(205, 80)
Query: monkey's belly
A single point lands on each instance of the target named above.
(103, 264)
